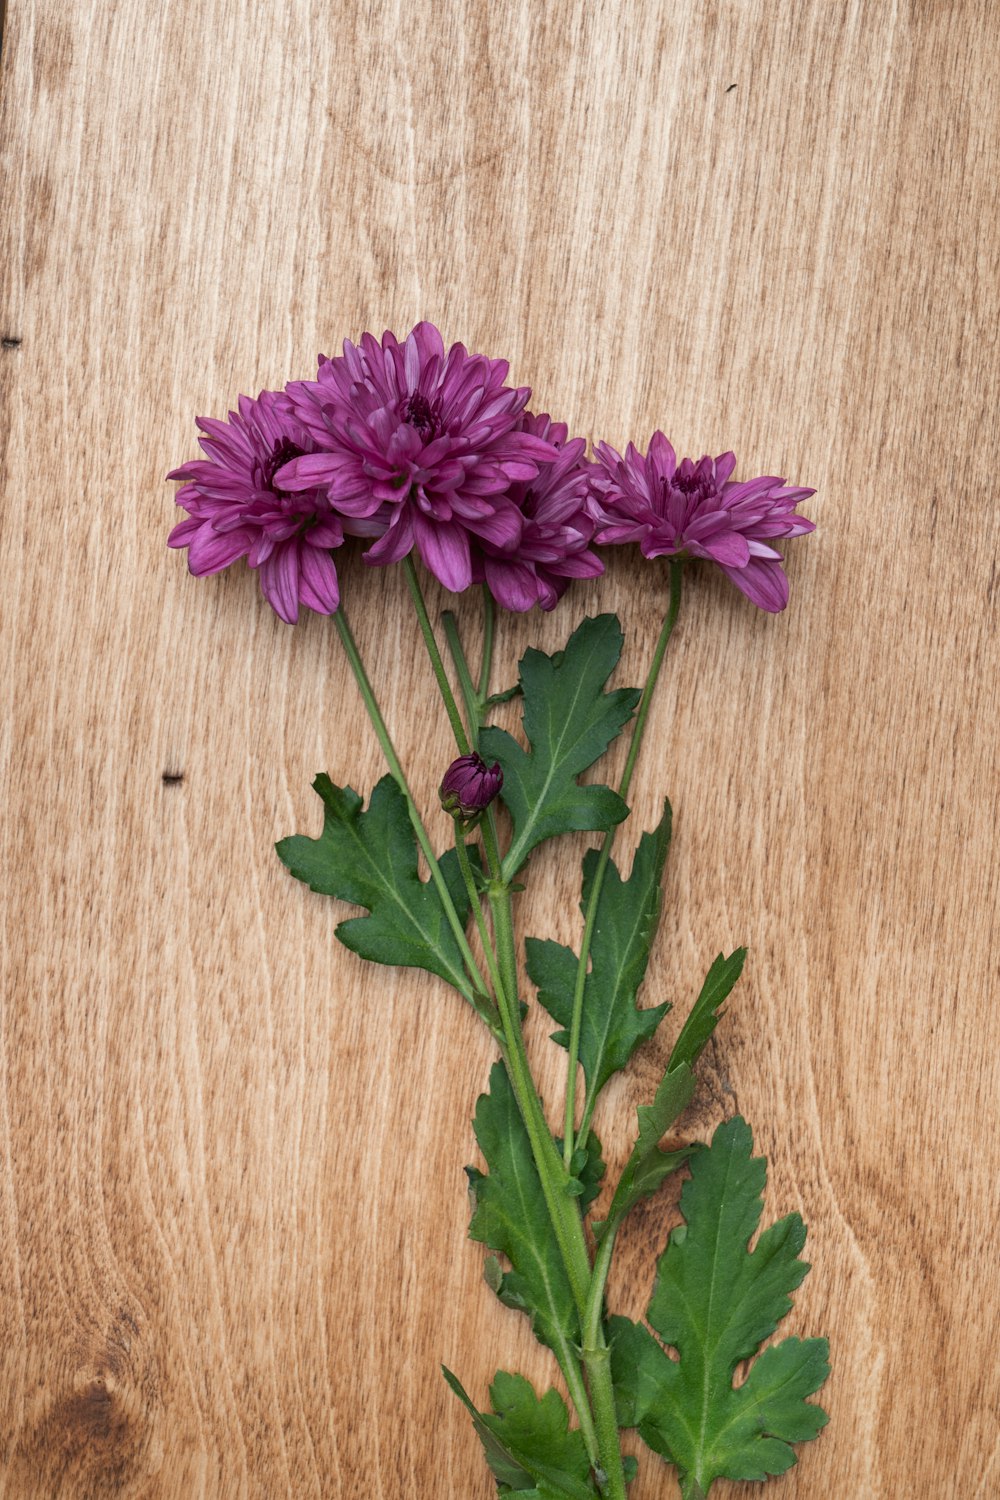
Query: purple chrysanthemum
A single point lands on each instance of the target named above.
(556, 527)
(237, 509)
(432, 437)
(696, 510)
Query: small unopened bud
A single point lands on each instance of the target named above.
(469, 786)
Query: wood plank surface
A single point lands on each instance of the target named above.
(232, 1206)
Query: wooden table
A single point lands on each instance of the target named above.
(232, 1207)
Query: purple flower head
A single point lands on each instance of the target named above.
(429, 440)
(556, 527)
(236, 508)
(695, 510)
(469, 786)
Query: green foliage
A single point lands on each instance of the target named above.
(705, 1016)
(370, 859)
(569, 721)
(528, 1442)
(511, 1216)
(715, 1302)
(648, 1165)
(627, 914)
(638, 1370)
(587, 1169)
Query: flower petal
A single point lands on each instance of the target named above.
(318, 585)
(500, 529)
(279, 581)
(512, 584)
(764, 584)
(444, 547)
(395, 544)
(311, 471)
(728, 548)
(210, 552)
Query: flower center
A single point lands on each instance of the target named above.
(690, 478)
(419, 413)
(687, 483)
(282, 453)
(696, 482)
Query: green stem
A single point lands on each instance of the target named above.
(465, 865)
(600, 1430)
(430, 642)
(597, 1356)
(563, 1209)
(590, 920)
(473, 706)
(561, 1206)
(597, 1362)
(486, 663)
(570, 1366)
(583, 1134)
(594, 1314)
(691, 1489)
(474, 703)
(398, 775)
(567, 1356)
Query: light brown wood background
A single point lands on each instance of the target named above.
(232, 1207)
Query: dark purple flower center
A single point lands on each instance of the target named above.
(696, 482)
(282, 453)
(694, 479)
(423, 415)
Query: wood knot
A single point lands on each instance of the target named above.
(94, 1414)
(94, 1435)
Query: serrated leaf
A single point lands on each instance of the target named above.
(528, 1442)
(370, 859)
(704, 1016)
(511, 1216)
(637, 1372)
(611, 1026)
(503, 1465)
(569, 721)
(648, 1165)
(715, 1302)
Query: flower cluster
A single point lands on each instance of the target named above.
(427, 450)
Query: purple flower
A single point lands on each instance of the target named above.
(695, 510)
(430, 440)
(469, 786)
(556, 527)
(237, 509)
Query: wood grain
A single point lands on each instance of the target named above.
(232, 1208)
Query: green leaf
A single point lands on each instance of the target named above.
(715, 1302)
(505, 1467)
(569, 721)
(588, 1169)
(528, 1442)
(637, 1369)
(627, 913)
(705, 1015)
(511, 1216)
(648, 1165)
(370, 859)
(495, 699)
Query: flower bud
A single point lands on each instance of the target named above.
(469, 786)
